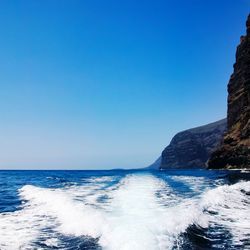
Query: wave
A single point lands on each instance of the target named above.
(134, 217)
(229, 206)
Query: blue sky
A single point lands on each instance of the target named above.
(106, 84)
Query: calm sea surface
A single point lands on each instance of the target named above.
(124, 210)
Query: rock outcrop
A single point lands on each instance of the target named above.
(192, 148)
(156, 164)
(235, 149)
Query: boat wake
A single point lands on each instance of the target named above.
(141, 211)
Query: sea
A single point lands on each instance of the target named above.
(124, 210)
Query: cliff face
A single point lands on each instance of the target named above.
(192, 148)
(155, 165)
(235, 149)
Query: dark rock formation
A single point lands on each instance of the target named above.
(192, 148)
(156, 164)
(235, 149)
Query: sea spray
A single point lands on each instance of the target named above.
(135, 211)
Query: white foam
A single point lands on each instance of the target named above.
(100, 179)
(48, 208)
(229, 204)
(196, 184)
(232, 210)
(51, 242)
(134, 218)
(141, 221)
(73, 217)
(19, 229)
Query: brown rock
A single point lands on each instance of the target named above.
(235, 149)
(192, 148)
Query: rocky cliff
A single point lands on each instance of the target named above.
(156, 164)
(192, 148)
(235, 149)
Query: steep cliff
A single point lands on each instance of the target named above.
(235, 149)
(192, 148)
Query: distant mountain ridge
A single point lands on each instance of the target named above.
(156, 164)
(191, 148)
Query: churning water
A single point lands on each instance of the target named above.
(123, 210)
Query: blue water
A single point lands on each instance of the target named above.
(177, 209)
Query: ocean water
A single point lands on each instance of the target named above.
(123, 210)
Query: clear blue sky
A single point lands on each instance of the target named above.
(106, 84)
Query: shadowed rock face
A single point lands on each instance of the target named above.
(155, 165)
(192, 148)
(235, 149)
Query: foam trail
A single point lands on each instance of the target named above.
(227, 206)
(139, 220)
(231, 209)
(135, 212)
(196, 184)
(61, 209)
(134, 218)
(73, 217)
